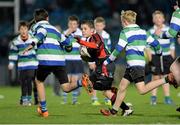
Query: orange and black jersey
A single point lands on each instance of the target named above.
(95, 46)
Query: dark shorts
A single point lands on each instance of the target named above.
(102, 82)
(59, 71)
(74, 67)
(135, 74)
(156, 65)
(26, 75)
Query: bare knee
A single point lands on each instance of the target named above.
(142, 92)
(66, 90)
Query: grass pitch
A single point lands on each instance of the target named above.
(84, 113)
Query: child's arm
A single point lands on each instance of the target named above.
(119, 47)
(174, 26)
(91, 44)
(39, 36)
(154, 43)
(13, 55)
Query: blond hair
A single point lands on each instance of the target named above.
(158, 12)
(129, 16)
(99, 20)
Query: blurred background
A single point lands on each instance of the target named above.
(12, 11)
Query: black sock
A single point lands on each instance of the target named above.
(113, 111)
(123, 105)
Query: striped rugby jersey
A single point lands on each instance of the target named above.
(134, 40)
(48, 40)
(107, 40)
(74, 54)
(25, 61)
(174, 25)
(166, 44)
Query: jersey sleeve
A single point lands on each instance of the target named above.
(174, 26)
(118, 48)
(13, 53)
(40, 34)
(154, 43)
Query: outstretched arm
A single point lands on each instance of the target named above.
(119, 47)
(91, 44)
(174, 26)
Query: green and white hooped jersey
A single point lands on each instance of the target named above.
(74, 54)
(25, 61)
(134, 40)
(174, 25)
(48, 40)
(166, 44)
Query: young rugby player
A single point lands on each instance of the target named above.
(101, 77)
(161, 67)
(74, 63)
(50, 54)
(134, 40)
(27, 64)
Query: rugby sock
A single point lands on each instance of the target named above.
(74, 96)
(29, 98)
(43, 106)
(64, 97)
(166, 80)
(123, 105)
(113, 98)
(94, 98)
(106, 99)
(24, 99)
(79, 83)
(113, 111)
(167, 100)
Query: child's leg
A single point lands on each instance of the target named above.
(121, 93)
(76, 92)
(64, 95)
(167, 98)
(23, 83)
(94, 98)
(35, 93)
(154, 91)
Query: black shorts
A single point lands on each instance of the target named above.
(59, 71)
(135, 74)
(102, 82)
(74, 67)
(156, 65)
(28, 74)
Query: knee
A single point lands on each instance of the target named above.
(67, 91)
(142, 92)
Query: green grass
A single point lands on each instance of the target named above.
(12, 112)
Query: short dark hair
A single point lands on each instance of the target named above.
(73, 18)
(23, 23)
(40, 14)
(88, 22)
